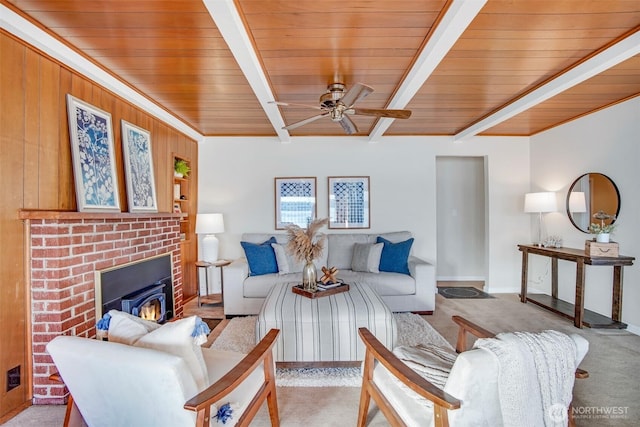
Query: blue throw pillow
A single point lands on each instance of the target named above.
(395, 256)
(261, 257)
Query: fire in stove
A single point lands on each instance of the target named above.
(148, 303)
(152, 310)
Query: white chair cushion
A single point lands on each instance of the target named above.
(175, 338)
(219, 363)
(125, 328)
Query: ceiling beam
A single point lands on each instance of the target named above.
(455, 21)
(40, 39)
(615, 54)
(230, 24)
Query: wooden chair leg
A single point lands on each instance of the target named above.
(365, 396)
(363, 411)
(72, 416)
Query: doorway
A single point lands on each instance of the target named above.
(461, 221)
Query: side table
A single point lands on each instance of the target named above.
(221, 263)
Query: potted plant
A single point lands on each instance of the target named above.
(181, 168)
(602, 230)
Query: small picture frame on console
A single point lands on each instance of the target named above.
(349, 202)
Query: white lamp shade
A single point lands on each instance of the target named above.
(209, 223)
(540, 202)
(577, 202)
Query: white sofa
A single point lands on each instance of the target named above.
(415, 292)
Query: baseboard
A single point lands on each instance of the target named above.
(633, 329)
(460, 279)
(495, 290)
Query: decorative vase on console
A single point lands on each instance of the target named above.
(305, 245)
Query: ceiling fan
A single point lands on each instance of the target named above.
(337, 103)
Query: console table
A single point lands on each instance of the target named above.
(576, 311)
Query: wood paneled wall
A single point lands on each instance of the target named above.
(37, 173)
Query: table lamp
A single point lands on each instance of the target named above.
(540, 203)
(209, 224)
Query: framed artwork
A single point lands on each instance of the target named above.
(93, 156)
(295, 200)
(349, 202)
(138, 168)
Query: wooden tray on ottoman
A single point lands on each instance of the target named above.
(297, 289)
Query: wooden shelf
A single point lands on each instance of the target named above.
(591, 319)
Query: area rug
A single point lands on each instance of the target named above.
(467, 292)
(239, 336)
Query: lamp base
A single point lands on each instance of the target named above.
(210, 244)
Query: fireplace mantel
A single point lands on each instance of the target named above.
(75, 215)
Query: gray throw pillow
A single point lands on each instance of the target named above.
(366, 257)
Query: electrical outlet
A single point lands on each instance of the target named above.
(13, 378)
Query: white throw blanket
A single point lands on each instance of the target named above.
(537, 372)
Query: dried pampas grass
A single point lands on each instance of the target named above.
(306, 244)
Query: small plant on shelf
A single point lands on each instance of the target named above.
(181, 168)
(602, 230)
(596, 228)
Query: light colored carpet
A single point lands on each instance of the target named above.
(239, 336)
(613, 363)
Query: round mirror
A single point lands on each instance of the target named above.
(590, 194)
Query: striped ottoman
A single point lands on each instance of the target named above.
(326, 328)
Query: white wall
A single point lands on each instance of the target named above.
(461, 221)
(236, 176)
(606, 142)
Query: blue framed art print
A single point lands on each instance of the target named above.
(295, 201)
(349, 202)
(138, 167)
(94, 169)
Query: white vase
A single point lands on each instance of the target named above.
(602, 238)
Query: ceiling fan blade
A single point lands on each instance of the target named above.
(291, 104)
(355, 94)
(394, 114)
(305, 121)
(347, 124)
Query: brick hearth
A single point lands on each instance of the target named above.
(66, 249)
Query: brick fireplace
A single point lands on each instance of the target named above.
(64, 250)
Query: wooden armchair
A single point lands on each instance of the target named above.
(115, 384)
(473, 382)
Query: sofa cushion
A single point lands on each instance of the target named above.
(395, 255)
(261, 257)
(366, 257)
(340, 248)
(385, 284)
(287, 263)
(175, 338)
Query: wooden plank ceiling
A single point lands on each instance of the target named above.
(177, 53)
